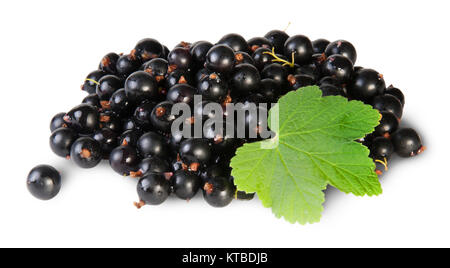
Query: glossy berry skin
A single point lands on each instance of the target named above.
(300, 80)
(111, 120)
(92, 99)
(148, 49)
(218, 191)
(365, 85)
(235, 42)
(180, 57)
(301, 46)
(181, 93)
(269, 89)
(331, 90)
(241, 195)
(143, 113)
(57, 121)
(177, 77)
(220, 58)
(216, 170)
(107, 85)
(108, 63)
(124, 159)
(196, 151)
(257, 42)
(343, 48)
(388, 103)
(381, 148)
(261, 58)
(185, 184)
(199, 51)
(275, 72)
(127, 64)
(84, 119)
(90, 83)
(223, 139)
(396, 93)
(245, 79)
(213, 88)
(388, 124)
(243, 57)
(86, 152)
(107, 139)
(153, 165)
(140, 86)
(152, 144)
(158, 68)
(153, 189)
(203, 110)
(407, 142)
(319, 45)
(61, 141)
(162, 117)
(120, 103)
(130, 137)
(277, 38)
(338, 66)
(44, 182)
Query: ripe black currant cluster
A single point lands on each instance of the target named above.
(127, 118)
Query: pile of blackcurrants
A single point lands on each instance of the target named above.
(127, 116)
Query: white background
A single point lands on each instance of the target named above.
(48, 47)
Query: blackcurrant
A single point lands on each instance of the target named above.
(44, 182)
(300, 80)
(130, 137)
(158, 68)
(143, 113)
(381, 148)
(243, 57)
(86, 152)
(185, 184)
(277, 38)
(407, 142)
(391, 90)
(388, 103)
(235, 42)
(257, 42)
(180, 57)
(107, 85)
(196, 152)
(148, 49)
(140, 86)
(320, 45)
(108, 63)
(120, 103)
(343, 48)
(94, 100)
(152, 144)
(181, 93)
(216, 170)
(127, 64)
(124, 159)
(91, 81)
(276, 72)
(218, 191)
(108, 140)
(151, 164)
(152, 189)
(366, 84)
(388, 124)
(57, 121)
(331, 90)
(262, 58)
(61, 141)
(220, 58)
(213, 88)
(178, 77)
(199, 51)
(269, 89)
(302, 48)
(162, 116)
(338, 66)
(245, 79)
(84, 119)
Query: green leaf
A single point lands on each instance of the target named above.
(315, 146)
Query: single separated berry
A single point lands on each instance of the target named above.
(407, 142)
